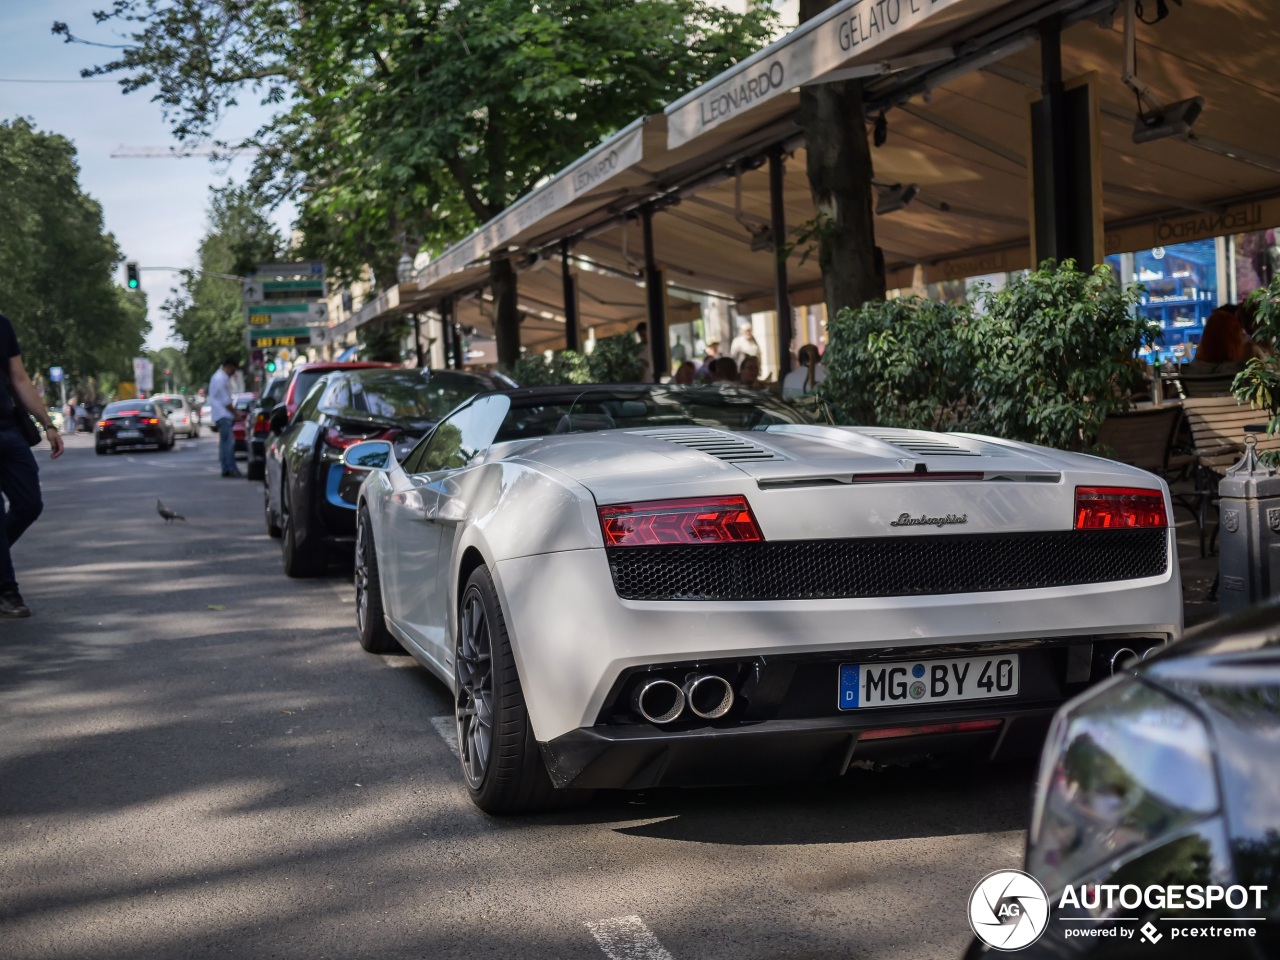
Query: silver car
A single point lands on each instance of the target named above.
(184, 418)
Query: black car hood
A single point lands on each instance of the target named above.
(1231, 673)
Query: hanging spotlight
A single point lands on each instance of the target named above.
(880, 130)
(1170, 121)
(894, 197)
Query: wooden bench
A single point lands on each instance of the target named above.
(1218, 428)
(1205, 385)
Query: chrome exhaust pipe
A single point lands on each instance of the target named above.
(709, 696)
(659, 701)
(1122, 658)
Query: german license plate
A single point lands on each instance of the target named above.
(130, 434)
(921, 682)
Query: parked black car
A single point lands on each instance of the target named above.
(1166, 778)
(310, 498)
(258, 426)
(133, 423)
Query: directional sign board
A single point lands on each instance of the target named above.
(307, 268)
(279, 315)
(258, 290)
(274, 339)
(55, 374)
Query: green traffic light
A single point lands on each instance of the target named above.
(133, 284)
(271, 366)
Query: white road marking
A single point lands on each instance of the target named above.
(447, 727)
(627, 938)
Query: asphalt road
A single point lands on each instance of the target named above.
(197, 760)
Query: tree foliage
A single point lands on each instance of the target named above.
(57, 265)
(617, 359)
(408, 124)
(207, 313)
(1259, 383)
(1043, 360)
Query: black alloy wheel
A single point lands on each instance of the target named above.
(300, 555)
(371, 621)
(501, 761)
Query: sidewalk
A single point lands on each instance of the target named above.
(1198, 573)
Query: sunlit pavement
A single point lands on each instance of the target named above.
(197, 760)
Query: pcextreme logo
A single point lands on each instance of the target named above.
(1008, 910)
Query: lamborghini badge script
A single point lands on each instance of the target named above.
(907, 520)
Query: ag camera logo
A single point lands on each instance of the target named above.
(1008, 910)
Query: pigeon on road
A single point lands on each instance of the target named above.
(168, 514)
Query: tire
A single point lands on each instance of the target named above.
(255, 470)
(300, 558)
(273, 529)
(99, 449)
(501, 762)
(371, 622)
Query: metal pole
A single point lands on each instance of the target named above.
(417, 339)
(1057, 231)
(446, 339)
(572, 337)
(782, 299)
(656, 297)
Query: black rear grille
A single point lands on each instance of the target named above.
(886, 566)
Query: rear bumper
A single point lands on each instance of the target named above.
(781, 751)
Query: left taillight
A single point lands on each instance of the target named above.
(152, 420)
(1119, 508)
(261, 423)
(663, 522)
(335, 438)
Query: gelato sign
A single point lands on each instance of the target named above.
(842, 36)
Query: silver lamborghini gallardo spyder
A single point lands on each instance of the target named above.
(634, 586)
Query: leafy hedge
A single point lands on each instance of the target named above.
(614, 360)
(1042, 360)
(1259, 383)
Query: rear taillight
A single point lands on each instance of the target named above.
(261, 423)
(1119, 508)
(102, 423)
(335, 438)
(151, 420)
(660, 522)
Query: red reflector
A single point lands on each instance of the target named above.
(1119, 508)
(658, 522)
(962, 726)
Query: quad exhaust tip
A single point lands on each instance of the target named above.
(1123, 658)
(659, 701)
(709, 696)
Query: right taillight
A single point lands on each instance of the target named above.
(663, 522)
(1119, 508)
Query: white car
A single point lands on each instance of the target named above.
(184, 417)
(653, 585)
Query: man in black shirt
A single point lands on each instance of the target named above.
(19, 476)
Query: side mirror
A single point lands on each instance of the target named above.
(369, 455)
(279, 418)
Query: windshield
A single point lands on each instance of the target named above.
(721, 406)
(275, 391)
(407, 395)
(129, 408)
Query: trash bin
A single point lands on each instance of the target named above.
(1249, 508)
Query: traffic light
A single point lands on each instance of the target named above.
(131, 279)
(271, 366)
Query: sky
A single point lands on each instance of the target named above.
(155, 207)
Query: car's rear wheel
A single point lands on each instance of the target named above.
(254, 470)
(301, 558)
(99, 449)
(501, 763)
(371, 622)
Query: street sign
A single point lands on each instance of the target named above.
(143, 374)
(262, 291)
(55, 374)
(306, 268)
(269, 315)
(273, 339)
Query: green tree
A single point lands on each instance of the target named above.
(1259, 383)
(408, 124)
(57, 265)
(207, 313)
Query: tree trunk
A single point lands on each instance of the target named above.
(506, 311)
(839, 164)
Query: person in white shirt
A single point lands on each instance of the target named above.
(802, 381)
(744, 344)
(222, 412)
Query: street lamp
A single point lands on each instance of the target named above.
(404, 269)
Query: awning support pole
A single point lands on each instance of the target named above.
(446, 337)
(455, 335)
(782, 299)
(656, 296)
(572, 337)
(417, 339)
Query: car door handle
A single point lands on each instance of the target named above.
(413, 503)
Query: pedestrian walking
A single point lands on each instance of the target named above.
(19, 475)
(222, 412)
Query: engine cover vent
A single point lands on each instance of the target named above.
(715, 443)
(924, 446)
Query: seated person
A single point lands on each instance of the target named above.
(1223, 347)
